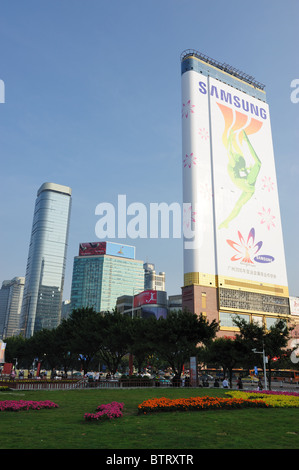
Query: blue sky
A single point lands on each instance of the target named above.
(93, 101)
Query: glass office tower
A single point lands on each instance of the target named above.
(103, 272)
(11, 296)
(46, 260)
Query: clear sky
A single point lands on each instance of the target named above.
(93, 101)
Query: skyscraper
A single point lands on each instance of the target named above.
(152, 280)
(102, 272)
(234, 260)
(44, 278)
(11, 296)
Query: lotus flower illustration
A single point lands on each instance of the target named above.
(246, 250)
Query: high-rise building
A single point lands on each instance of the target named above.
(44, 278)
(11, 296)
(174, 303)
(152, 280)
(65, 309)
(102, 272)
(234, 261)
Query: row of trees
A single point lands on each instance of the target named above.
(88, 338)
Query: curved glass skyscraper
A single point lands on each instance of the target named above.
(46, 260)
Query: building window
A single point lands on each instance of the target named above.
(226, 319)
(257, 319)
(270, 321)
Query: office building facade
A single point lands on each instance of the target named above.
(102, 272)
(234, 260)
(45, 270)
(11, 297)
(152, 280)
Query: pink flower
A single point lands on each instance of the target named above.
(187, 108)
(267, 218)
(109, 411)
(19, 405)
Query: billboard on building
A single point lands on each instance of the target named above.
(229, 172)
(149, 311)
(92, 249)
(145, 298)
(116, 249)
(106, 248)
(199, 254)
(294, 305)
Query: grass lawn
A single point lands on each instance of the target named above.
(65, 427)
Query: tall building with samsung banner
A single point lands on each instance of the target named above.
(234, 261)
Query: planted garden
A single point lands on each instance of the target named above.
(110, 426)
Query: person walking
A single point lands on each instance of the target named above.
(225, 383)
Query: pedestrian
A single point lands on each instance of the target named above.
(260, 385)
(225, 383)
(216, 383)
(239, 383)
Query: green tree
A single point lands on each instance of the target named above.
(116, 338)
(142, 345)
(273, 341)
(224, 352)
(42, 345)
(178, 337)
(15, 349)
(83, 333)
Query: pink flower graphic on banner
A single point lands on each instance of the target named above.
(189, 216)
(267, 183)
(267, 218)
(205, 190)
(203, 134)
(245, 249)
(189, 159)
(187, 108)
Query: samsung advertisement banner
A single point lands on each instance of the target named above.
(229, 177)
(199, 253)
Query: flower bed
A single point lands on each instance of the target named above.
(106, 412)
(20, 405)
(270, 392)
(197, 403)
(273, 399)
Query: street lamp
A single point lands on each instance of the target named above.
(264, 362)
